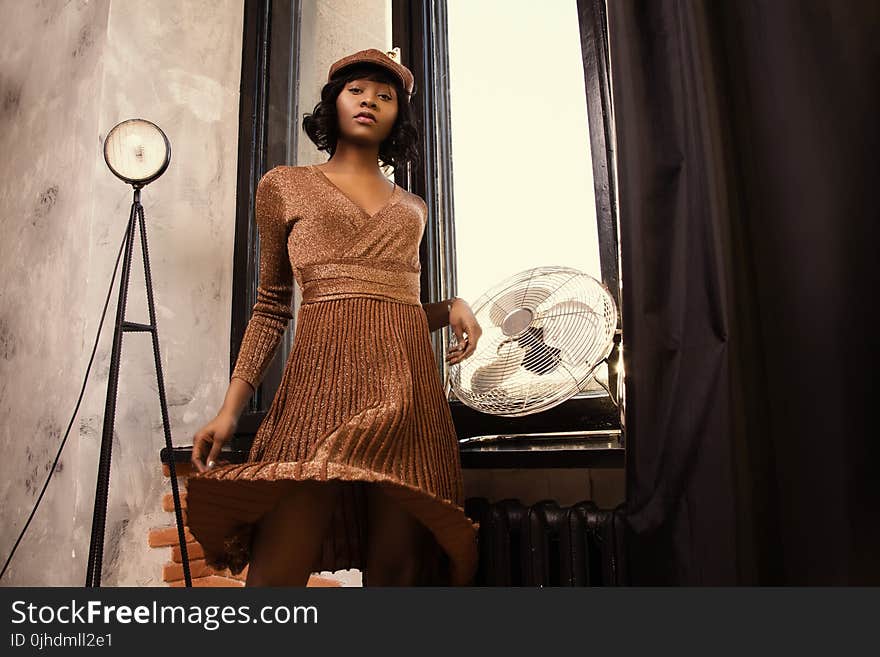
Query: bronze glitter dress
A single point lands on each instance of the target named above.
(360, 399)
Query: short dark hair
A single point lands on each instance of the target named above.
(322, 125)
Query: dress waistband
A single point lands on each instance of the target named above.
(335, 280)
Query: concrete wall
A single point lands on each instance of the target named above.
(69, 72)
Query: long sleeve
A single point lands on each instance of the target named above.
(271, 313)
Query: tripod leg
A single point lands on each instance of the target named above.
(163, 404)
(96, 549)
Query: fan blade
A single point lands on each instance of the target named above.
(491, 377)
(566, 319)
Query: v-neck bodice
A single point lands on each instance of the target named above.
(388, 203)
(310, 229)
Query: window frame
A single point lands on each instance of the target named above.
(268, 26)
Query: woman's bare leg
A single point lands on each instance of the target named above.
(288, 539)
(393, 544)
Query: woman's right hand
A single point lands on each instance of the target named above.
(210, 439)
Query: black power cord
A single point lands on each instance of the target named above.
(75, 410)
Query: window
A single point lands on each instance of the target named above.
(523, 173)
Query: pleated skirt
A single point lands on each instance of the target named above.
(360, 401)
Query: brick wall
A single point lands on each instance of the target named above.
(165, 538)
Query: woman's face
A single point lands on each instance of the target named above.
(377, 98)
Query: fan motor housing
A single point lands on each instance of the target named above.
(517, 321)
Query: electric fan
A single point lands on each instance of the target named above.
(545, 331)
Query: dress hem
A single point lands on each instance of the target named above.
(225, 530)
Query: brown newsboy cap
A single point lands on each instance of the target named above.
(389, 60)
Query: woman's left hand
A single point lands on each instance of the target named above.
(467, 330)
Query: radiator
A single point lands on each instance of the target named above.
(548, 545)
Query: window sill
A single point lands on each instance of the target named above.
(582, 432)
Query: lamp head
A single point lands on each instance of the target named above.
(137, 151)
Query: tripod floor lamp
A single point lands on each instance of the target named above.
(137, 152)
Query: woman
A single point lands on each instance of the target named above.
(356, 464)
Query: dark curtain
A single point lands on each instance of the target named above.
(747, 156)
